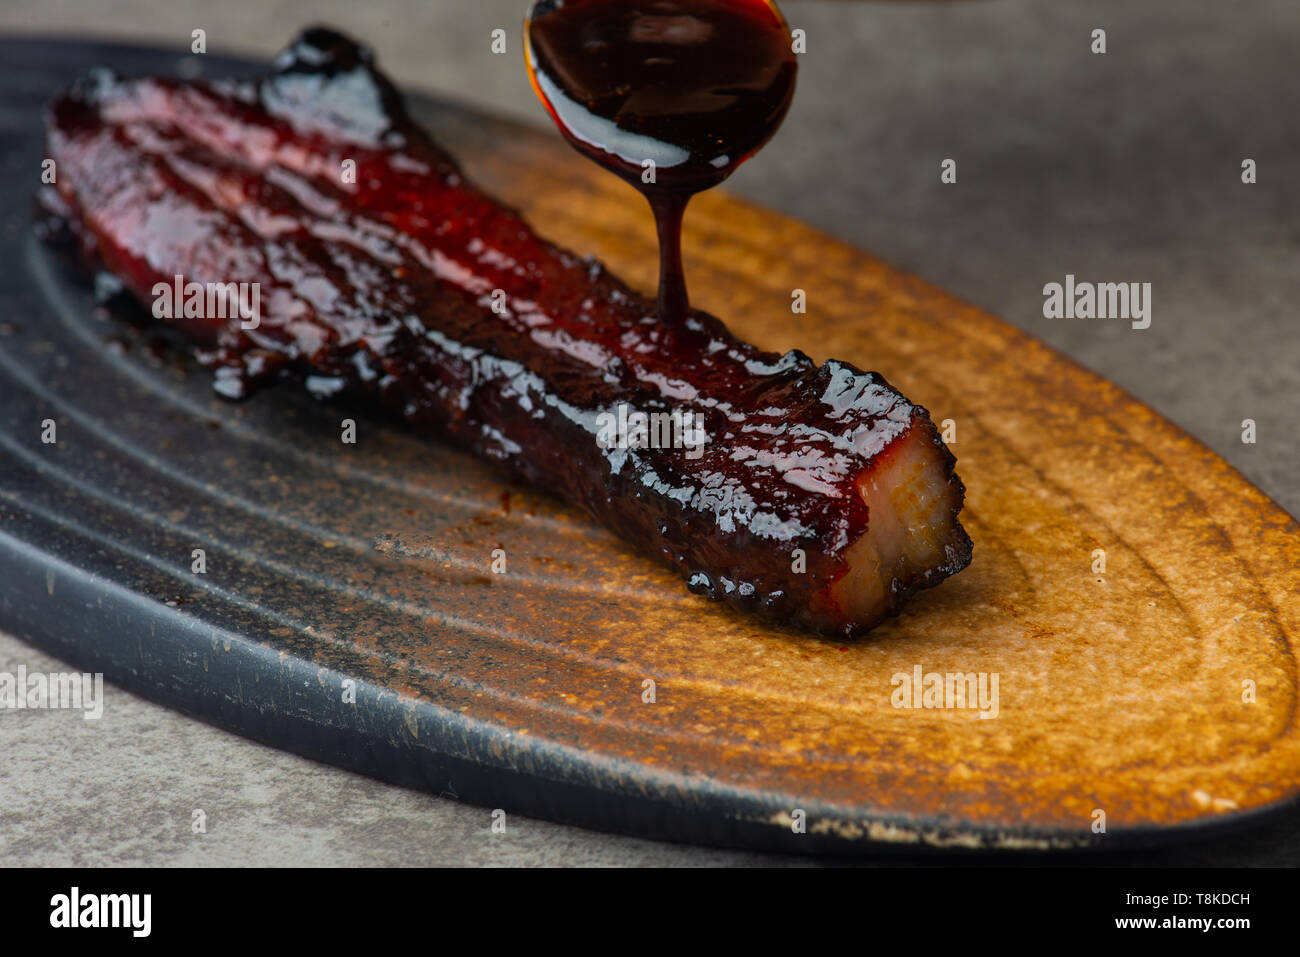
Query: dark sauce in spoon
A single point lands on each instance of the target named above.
(672, 95)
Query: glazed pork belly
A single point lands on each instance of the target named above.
(815, 494)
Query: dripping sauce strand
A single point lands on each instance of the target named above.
(671, 95)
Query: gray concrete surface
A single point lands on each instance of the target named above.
(1122, 167)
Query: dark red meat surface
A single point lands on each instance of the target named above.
(388, 284)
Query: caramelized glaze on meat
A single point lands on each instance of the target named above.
(410, 284)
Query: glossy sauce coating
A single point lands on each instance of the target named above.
(386, 286)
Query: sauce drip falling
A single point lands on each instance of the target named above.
(672, 95)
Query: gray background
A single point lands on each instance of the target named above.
(1122, 167)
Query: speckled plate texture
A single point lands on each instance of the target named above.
(1126, 626)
